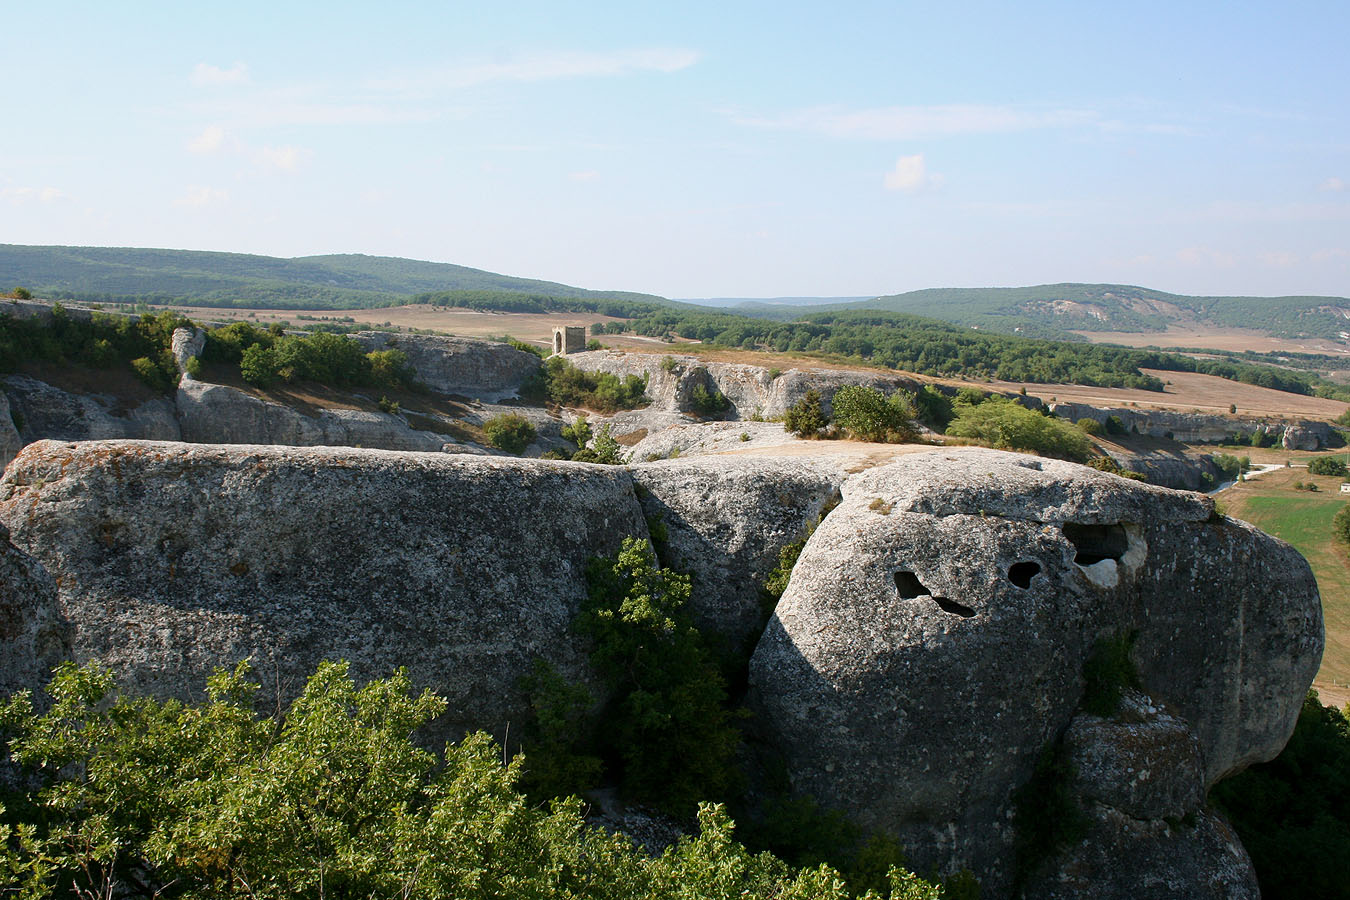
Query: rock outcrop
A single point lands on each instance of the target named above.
(724, 522)
(487, 370)
(10, 439)
(1200, 428)
(219, 414)
(186, 345)
(49, 412)
(930, 647)
(932, 640)
(751, 390)
(175, 558)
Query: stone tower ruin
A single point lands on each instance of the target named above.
(568, 339)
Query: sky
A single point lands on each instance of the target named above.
(731, 149)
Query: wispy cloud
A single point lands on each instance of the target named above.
(1333, 184)
(910, 175)
(587, 175)
(1280, 259)
(286, 158)
(902, 123)
(201, 195)
(205, 74)
(20, 195)
(211, 140)
(539, 67)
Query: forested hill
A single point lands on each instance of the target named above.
(203, 278)
(1054, 310)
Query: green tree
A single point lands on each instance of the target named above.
(1340, 526)
(258, 365)
(1007, 425)
(1326, 465)
(511, 432)
(806, 417)
(870, 415)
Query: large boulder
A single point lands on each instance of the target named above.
(488, 370)
(932, 640)
(10, 441)
(219, 414)
(176, 558)
(724, 520)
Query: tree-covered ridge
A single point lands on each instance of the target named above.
(204, 278)
(1053, 310)
(930, 347)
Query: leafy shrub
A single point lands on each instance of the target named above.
(135, 797)
(805, 417)
(560, 382)
(1326, 465)
(870, 415)
(21, 293)
(194, 366)
(1108, 464)
(511, 432)
(934, 408)
(708, 402)
(258, 365)
(1114, 425)
(388, 406)
(579, 432)
(604, 449)
(1004, 424)
(667, 722)
(155, 374)
(1089, 426)
(1109, 670)
(388, 369)
(971, 396)
(1340, 526)
(669, 363)
(1231, 466)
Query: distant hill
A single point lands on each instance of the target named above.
(1055, 310)
(203, 278)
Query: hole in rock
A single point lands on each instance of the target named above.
(909, 585)
(956, 609)
(1096, 542)
(1021, 573)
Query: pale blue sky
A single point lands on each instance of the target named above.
(699, 149)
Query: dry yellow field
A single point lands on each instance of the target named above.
(1217, 339)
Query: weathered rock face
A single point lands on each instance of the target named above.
(174, 558)
(725, 521)
(752, 390)
(218, 414)
(1199, 428)
(487, 370)
(33, 636)
(1137, 783)
(48, 412)
(186, 344)
(1173, 468)
(10, 441)
(933, 636)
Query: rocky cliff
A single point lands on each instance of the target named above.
(932, 642)
(929, 650)
(1199, 428)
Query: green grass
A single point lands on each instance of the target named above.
(1304, 520)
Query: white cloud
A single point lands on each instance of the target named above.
(542, 67)
(588, 175)
(201, 195)
(207, 74)
(210, 140)
(1327, 255)
(911, 175)
(19, 195)
(286, 158)
(1333, 184)
(1281, 259)
(898, 123)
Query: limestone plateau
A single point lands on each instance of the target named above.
(930, 644)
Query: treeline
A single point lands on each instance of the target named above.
(507, 301)
(268, 356)
(100, 341)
